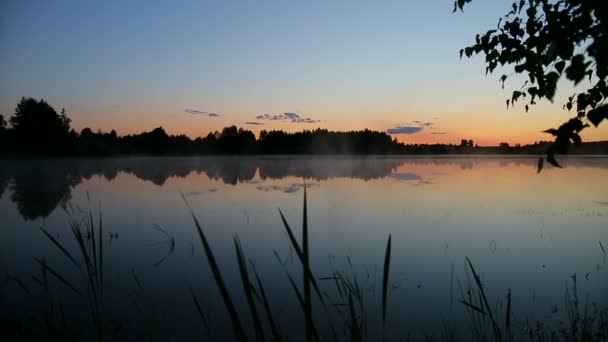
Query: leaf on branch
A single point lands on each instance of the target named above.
(516, 96)
(551, 159)
(551, 84)
(468, 51)
(582, 101)
(598, 114)
(577, 68)
(559, 66)
(562, 143)
(551, 131)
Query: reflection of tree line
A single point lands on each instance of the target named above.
(38, 186)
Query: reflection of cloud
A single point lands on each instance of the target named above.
(410, 177)
(602, 202)
(289, 188)
(438, 133)
(423, 182)
(291, 117)
(405, 176)
(199, 112)
(404, 130)
(199, 192)
(253, 123)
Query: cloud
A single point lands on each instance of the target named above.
(404, 130)
(423, 123)
(438, 133)
(199, 112)
(416, 180)
(307, 120)
(411, 127)
(253, 123)
(288, 189)
(291, 117)
(405, 176)
(200, 192)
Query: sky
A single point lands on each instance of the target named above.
(196, 66)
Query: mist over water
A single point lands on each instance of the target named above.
(523, 231)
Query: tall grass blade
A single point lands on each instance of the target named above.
(508, 318)
(61, 248)
(473, 307)
(199, 309)
(94, 248)
(219, 281)
(296, 290)
(300, 254)
(273, 328)
(20, 283)
(136, 278)
(100, 256)
(484, 299)
(47, 268)
(355, 332)
(292, 237)
(306, 272)
(387, 263)
(247, 288)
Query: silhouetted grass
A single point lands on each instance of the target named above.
(387, 263)
(485, 323)
(217, 276)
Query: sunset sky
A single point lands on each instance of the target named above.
(197, 66)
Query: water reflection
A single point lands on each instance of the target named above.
(38, 186)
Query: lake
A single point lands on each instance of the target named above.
(524, 232)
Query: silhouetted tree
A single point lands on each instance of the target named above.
(546, 40)
(39, 129)
(471, 143)
(464, 143)
(2, 123)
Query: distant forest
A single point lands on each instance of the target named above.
(36, 129)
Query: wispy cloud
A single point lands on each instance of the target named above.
(200, 112)
(423, 123)
(253, 123)
(405, 176)
(440, 133)
(291, 117)
(200, 192)
(404, 130)
(288, 188)
(413, 127)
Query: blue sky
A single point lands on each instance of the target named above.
(136, 65)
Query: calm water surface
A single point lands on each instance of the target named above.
(523, 231)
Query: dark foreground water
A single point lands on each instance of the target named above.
(523, 231)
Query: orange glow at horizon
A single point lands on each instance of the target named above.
(446, 133)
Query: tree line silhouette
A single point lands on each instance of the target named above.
(36, 129)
